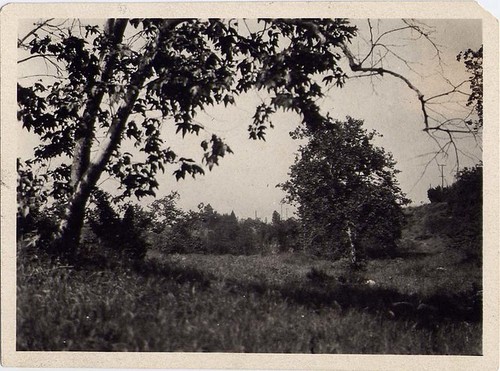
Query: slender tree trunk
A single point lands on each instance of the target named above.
(353, 253)
(84, 135)
(71, 226)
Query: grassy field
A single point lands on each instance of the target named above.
(427, 301)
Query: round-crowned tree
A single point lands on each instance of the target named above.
(346, 192)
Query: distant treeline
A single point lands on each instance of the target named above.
(208, 231)
(163, 226)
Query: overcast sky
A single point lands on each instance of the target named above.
(246, 181)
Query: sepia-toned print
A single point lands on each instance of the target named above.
(296, 185)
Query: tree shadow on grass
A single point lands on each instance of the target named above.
(325, 292)
(153, 268)
(442, 306)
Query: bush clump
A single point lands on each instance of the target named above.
(464, 200)
(123, 236)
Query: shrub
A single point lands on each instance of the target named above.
(466, 197)
(125, 237)
(437, 194)
(319, 277)
(37, 219)
(465, 206)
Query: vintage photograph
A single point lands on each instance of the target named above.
(250, 185)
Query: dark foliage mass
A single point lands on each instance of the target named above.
(207, 231)
(125, 236)
(464, 218)
(437, 194)
(473, 61)
(346, 191)
(119, 232)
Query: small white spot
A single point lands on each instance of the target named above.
(370, 283)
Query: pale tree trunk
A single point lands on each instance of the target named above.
(84, 134)
(351, 241)
(71, 226)
(87, 176)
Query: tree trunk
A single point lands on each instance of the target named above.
(75, 212)
(84, 135)
(353, 253)
(71, 226)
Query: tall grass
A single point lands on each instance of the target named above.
(196, 303)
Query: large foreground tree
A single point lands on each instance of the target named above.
(346, 191)
(123, 82)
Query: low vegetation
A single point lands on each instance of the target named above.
(286, 302)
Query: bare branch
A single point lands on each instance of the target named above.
(357, 67)
(442, 124)
(35, 56)
(454, 90)
(21, 41)
(418, 27)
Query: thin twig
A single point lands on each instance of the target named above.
(21, 41)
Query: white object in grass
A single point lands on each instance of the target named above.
(370, 283)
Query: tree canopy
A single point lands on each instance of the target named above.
(473, 60)
(345, 190)
(130, 82)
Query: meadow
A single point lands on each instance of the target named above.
(427, 300)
